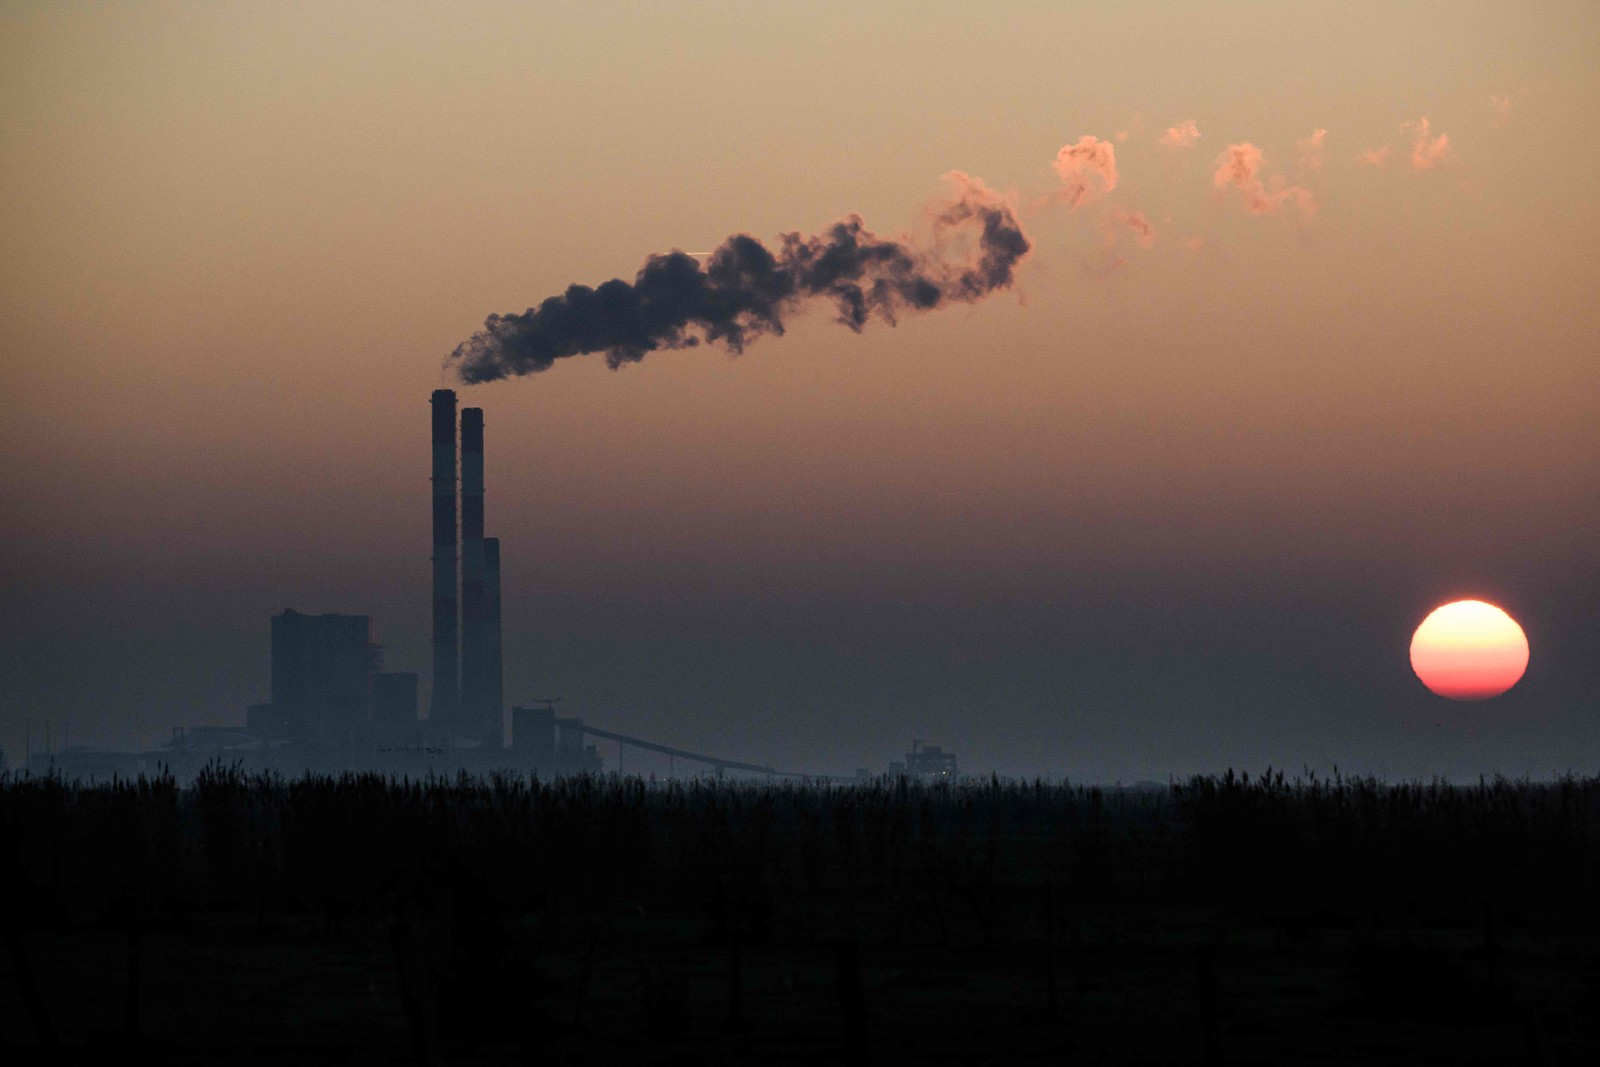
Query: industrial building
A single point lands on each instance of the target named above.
(322, 669)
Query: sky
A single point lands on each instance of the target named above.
(1172, 498)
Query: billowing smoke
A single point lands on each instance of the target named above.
(1183, 135)
(1239, 168)
(1427, 151)
(745, 289)
(1311, 150)
(1136, 221)
(1502, 103)
(1084, 165)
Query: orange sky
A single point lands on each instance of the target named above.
(241, 239)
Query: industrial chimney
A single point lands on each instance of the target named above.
(446, 668)
(474, 605)
(494, 696)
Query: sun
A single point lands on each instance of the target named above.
(1469, 650)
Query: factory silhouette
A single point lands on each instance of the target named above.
(334, 707)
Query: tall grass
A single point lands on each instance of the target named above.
(882, 860)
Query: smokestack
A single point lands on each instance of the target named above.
(446, 669)
(494, 698)
(474, 643)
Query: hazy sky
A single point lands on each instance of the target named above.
(1174, 501)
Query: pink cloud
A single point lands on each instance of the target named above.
(1084, 165)
(1240, 168)
(1183, 135)
(1427, 151)
(1374, 157)
(1311, 150)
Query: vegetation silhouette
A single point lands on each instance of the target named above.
(503, 912)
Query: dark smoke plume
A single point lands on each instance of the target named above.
(745, 289)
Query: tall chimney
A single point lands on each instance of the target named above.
(494, 696)
(474, 643)
(446, 667)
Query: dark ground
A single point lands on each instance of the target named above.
(602, 922)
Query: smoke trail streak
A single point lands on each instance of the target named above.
(745, 290)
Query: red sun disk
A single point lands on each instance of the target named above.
(1469, 650)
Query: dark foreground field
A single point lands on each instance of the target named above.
(1227, 920)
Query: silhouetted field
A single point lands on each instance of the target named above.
(1230, 919)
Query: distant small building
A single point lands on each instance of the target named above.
(533, 735)
(549, 745)
(929, 762)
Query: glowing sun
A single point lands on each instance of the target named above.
(1469, 650)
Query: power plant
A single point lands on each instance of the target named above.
(328, 685)
(334, 707)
